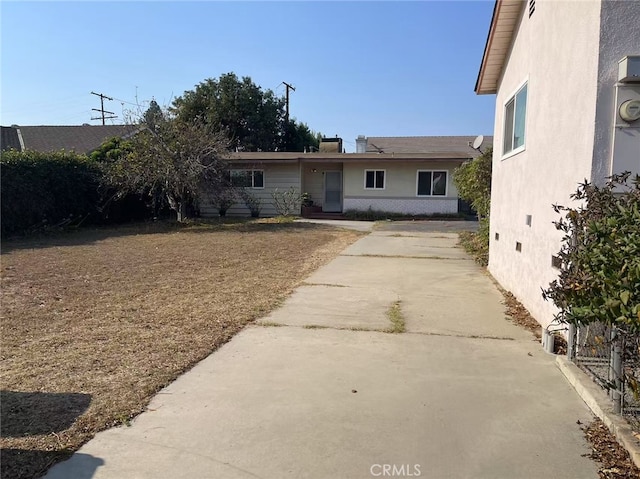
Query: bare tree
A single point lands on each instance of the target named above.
(172, 159)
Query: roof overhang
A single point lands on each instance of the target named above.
(286, 157)
(506, 14)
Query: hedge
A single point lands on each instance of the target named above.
(41, 190)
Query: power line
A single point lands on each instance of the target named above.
(102, 110)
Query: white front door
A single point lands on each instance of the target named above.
(332, 192)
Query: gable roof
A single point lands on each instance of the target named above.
(506, 14)
(81, 139)
(451, 146)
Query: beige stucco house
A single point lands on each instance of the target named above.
(561, 71)
(408, 175)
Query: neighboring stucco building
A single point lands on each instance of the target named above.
(408, 175)
(554, 67)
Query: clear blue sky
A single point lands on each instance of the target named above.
(371, 68)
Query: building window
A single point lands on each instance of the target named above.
(247, 178)
(432, 183)
(515, 112)
(374, 179)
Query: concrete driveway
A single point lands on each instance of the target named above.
(318, 389)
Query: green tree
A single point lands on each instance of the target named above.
(153, 116)
(298, 137)
(111, 150)
(473, 181)
(254, 119)
(175, 160)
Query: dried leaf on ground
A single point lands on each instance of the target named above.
(615, 462)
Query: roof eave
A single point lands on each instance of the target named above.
(506, 14)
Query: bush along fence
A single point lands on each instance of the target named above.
(51, 189)
(598, 288)
(44, 191)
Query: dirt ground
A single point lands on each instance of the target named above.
(96, 321)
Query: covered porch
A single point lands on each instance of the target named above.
(324, 187)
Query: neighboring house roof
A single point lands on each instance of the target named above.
(9, 139)
(506, 14)
(81, 139)
(452, 146)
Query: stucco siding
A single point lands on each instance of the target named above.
(556, 53)
(276, 176)
(619, 37)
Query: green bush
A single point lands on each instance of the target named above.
(599, 279)
(42, 190)
(473, 181)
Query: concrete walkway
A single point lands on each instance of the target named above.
(319, 390)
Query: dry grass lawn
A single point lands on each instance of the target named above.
(96, 321)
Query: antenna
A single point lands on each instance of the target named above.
(477, 142)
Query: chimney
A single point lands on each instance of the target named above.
(361, 144)
(331, 145)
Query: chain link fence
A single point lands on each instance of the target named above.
(611, 356)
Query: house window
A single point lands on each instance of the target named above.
(247, 178)
(432, 183)
(374, 179)
(515, 112)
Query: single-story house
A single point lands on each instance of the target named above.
(566, 78)
(80, 139)
(408, 175)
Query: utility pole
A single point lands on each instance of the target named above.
(102, 110)
(289, 87)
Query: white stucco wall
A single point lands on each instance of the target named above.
(619, 37)
(556, 52)
(280, 175)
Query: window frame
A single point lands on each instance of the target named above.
(430, 195)
(384, 179)
(252, 175)
(512, 98)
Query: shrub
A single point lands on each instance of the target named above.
(252, 202)
(599, 279)
(42, 190)
(287, 203)
(473, 181)
(477, 243)
(223, 199)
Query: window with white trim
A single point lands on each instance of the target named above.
(431, 183)
(515, 112)
(247, 178)
(374, 179)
